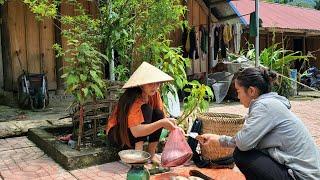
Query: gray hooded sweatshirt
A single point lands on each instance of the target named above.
(272, 128)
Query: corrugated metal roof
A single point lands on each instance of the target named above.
(279, 15)
(222, 10)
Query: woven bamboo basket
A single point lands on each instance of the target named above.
(221, 124)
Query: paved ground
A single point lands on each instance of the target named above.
(308, 110)
(16, 122)
(20, 159)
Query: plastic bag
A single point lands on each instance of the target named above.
(220, 83)
(176, 151)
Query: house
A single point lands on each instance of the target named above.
(26, 44)
(298, 28)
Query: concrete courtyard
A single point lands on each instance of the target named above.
(21, 159)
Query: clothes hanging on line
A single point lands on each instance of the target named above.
(204, 39)
(185, 42)
(237, 31)
(213, 61)
(227, 33)
(222, 43)
(223, 38)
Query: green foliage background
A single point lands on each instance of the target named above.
(137, 30)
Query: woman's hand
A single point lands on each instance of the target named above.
(206, 139)
(168, 123)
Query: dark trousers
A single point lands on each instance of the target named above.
(256, 165)
(150, 115)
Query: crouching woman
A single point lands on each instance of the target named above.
(273, 143)
(138, 116)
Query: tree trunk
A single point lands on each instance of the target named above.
(80, 132)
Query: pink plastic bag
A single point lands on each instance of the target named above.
(176, 151)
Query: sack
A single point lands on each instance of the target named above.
(176, 151)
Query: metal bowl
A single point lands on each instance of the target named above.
(134, 156)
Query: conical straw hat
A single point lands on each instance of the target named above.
(146, 74)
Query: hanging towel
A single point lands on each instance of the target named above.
(237, 31)
(227, 33)
(188, 42)
(253, 25)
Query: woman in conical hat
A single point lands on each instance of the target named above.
(139, 116)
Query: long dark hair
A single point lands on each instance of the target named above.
(260, 78)
(125, 102)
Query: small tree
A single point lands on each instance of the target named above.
(84, 77)
(137, 30)
(277, 58)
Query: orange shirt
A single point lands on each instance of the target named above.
(135, 116)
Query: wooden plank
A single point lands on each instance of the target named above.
(195, 15)
(85, 5)
(16, 25)
(203, 18)
(3, 9)
(32, 43)
(203, 7)
(204, 22)
(93, 9)
(47, 55)
(190, 11)
(7, 63)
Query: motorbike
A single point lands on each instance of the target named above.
(311, 78)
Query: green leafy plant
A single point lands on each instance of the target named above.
(121, 73)
(135, 31)
(196, 102)
(84, 76)
(144, 27)
(83, 68)
(278, 59)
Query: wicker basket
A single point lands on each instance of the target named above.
(221, 124)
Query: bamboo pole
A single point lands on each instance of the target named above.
(294, 80)
(298, 82)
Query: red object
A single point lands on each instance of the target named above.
(65, 138)
(176, 151)
(280, 15)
